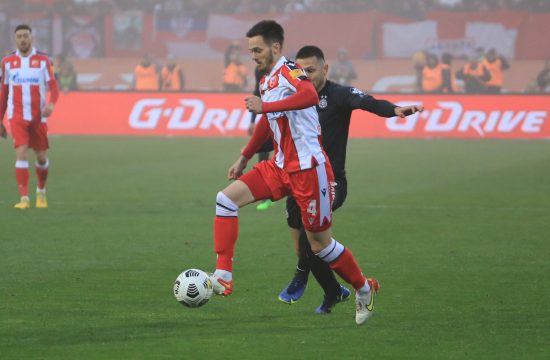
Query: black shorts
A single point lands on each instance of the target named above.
(293, 214)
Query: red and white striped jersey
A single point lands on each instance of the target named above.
(296, 132)
(27, 80)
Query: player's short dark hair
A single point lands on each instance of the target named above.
(310, 51)
(270, 30)
(23, 27)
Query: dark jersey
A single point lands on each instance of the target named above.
(336, 103)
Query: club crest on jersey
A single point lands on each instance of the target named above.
(323, 103)
(273, 82)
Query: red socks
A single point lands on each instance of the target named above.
(22, 177)
(226, 231)
(41, 176)
(346, 266)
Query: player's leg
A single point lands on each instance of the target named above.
(297, 286)
(315, 203)
(38, 140)
(20, 133)
(41, 167)
(342, 261)
(250, 187)
(226, 232)
(22, 176)
(264, 155)
(334, 292)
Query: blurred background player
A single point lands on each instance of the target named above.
(299, 167)
(26, 75)
(336, 103)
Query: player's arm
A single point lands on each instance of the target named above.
(54, 90)
(356, 99)
(3, 106)
(305, 97)
(258, 138)
(4, 89)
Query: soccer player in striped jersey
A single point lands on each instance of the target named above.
(299, 167)
(27, 75)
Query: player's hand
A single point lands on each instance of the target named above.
(403, 111)
(48, 110)
(3, 132)
(236, 170)
(253, 104)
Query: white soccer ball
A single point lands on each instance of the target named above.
(193, 288)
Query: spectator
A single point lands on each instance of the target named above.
(448, 76)
(57, 61)
(474, 74)
(66, 78)
(172, 78)
(343, 71)
(496, 64)
(419, 61)
(235, 46)
(235, 74)
(543, 78)
(146, 75)
(435, 76)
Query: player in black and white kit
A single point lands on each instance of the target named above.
(336, 103)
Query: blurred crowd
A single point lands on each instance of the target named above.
(482, 73)
(409, 8)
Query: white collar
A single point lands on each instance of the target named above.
(279, 63)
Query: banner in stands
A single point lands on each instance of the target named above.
(201, 114)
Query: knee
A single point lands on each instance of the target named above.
(225, 206)
(42, 161)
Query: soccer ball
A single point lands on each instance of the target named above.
(193, 288)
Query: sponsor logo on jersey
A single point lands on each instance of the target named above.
(18, 80)
(356, 91)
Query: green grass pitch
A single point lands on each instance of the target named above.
(457, 232)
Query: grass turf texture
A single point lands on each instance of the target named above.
(456, 231)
